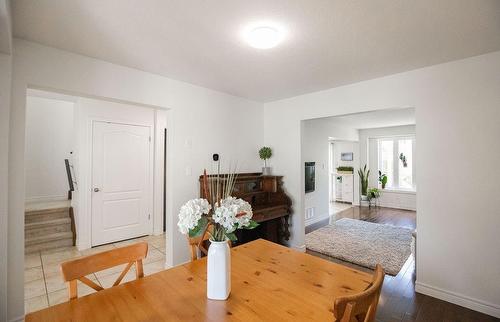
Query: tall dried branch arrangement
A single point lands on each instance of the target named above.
(219, 186)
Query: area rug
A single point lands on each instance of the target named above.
(363, 243)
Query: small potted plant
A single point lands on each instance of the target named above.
(382, 178)
(266, 153)
(373, 194)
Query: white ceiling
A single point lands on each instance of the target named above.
(329, 43)
(370, 120)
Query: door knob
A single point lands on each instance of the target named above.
(96, 189)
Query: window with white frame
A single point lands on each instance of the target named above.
(396, 161)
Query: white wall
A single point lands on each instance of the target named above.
(5, 82)
(315, 148)
(457, 112)
(345, 147)
(49, 140)
(5, 89)
(369, 155)
(199, 122)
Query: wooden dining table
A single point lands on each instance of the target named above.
(270, 282)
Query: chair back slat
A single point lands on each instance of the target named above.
(90, 283)
(360, 307)
(84, 266)
(124, 272)
(79, 268)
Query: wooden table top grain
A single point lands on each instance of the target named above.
(269, 283)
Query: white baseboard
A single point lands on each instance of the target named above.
(158, 232)
(315, 220)
(81, 247)
(459, 299)
(18, 319)
(168, 266)
(396, 206)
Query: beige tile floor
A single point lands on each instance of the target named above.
(43, 284)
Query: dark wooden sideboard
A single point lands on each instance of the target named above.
(271, 206)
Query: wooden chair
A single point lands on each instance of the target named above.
(79, 268)
(363, 306)
(199, 243)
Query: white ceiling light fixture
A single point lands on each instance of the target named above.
(263, 35)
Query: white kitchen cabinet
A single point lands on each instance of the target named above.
(344, 187)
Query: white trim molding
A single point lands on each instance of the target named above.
(459, 299)
(18, 319)
(168, 266)
(317, 219)
(159, 171)
(300, 248)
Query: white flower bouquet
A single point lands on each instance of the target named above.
(219, 214)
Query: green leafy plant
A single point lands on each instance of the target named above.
(363, 177)
(347, 169)
(265, 153)
(382, 178)
(373, 193)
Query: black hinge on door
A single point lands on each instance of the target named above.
(149, 216)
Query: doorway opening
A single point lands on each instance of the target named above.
(95, 180)
(343, 158)
(365, 198)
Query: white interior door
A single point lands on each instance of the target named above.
(121, 182)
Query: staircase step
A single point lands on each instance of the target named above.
(46, 215)
(37, 205)
(51, 241)
(43, 239)
(48, 245)
(47, 228)
(47, 223)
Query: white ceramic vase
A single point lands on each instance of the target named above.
(218, 271)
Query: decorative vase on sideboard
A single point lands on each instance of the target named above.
(218, 270)
(266, 171)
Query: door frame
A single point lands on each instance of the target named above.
(332, 178)
(84, 199)
(150, 185)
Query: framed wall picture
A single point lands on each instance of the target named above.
(347, 156)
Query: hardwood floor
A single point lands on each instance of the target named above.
(399, 301)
